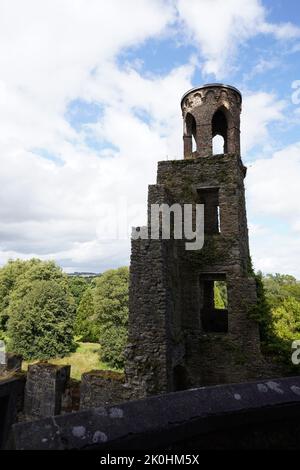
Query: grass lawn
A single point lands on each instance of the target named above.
(84, 359)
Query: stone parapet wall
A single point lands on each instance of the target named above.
(11, 403)
(256, 415)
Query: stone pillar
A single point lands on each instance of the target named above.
(44, 388)
(204, 140)
(234, 145)
(187, 146)
(100, 388)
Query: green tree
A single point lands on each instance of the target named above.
(113, 341)
(220, 294)
(37, 270)
(42, 270)
(286, 320)
(262, 311)
(9, 274)
(280, 287)
(86, 326)
(277, 312)
(286, 327)
(78, 285)
(111, 310)
(41, 321)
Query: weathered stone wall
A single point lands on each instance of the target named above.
(101, 388)
(71, 396)
(147, 355)
(150, 304)
(11, 403)
(216, 358)
(165, 325)
(45, 386)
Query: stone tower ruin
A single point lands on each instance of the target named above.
(179, 337)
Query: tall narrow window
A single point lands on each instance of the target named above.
(190, 131)
(219, 130)
(219, 219)
(214, 303)
(210, 198)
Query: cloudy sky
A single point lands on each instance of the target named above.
(90, 101)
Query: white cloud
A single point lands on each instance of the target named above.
(262, 66)
(273, 191)
(52, 53)
(220, 27)
(273, 184)
(276, 253)
(260, 109)
(258, 230)
(49, 49)
(281, 30)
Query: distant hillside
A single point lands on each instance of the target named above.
(84, 274)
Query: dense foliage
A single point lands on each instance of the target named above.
(42, 310)
(9, 275)
(78, 285)
(86, 326)
(37, 310)
(111, 310)
(279, 287)
(102, 315)
(41, 321)
(283, 299)
(262, 311)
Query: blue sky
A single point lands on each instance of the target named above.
(90, 102)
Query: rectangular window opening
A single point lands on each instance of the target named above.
(214, 303)
(210, 198)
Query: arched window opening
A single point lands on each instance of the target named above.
(218, 145)
(190, 133)
(220, 129)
